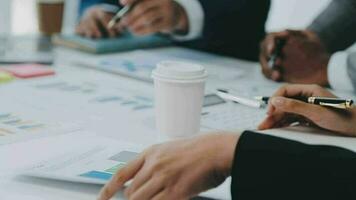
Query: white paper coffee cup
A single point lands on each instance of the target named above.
(179, 94)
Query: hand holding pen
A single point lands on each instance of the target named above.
(285, 109)
(277, 53)
(295, 57)
(271, 53)
(93, 23)
(143, 17)
(329, 102)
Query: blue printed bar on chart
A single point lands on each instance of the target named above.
(97, 175)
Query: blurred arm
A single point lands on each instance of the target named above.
(351, 63)
(341, 71)
(336, 25)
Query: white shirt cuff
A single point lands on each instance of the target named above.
(195, 14)
(337, 72)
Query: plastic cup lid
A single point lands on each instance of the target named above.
(179, 71)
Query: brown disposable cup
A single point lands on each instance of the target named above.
(50, 16)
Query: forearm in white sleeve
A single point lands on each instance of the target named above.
(337, 72)
(195, 14)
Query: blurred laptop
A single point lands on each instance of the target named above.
(26, 49)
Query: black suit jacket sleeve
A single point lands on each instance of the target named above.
(268, 167)
(233, 27)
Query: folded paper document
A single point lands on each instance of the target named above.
(125, 42)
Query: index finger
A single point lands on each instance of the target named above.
(294, 90)
(120, 178)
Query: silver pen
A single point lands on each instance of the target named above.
(122, 12)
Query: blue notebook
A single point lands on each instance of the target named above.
(123, 43)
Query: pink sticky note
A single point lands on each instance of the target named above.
(28, 70)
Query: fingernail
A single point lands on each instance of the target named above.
(277, 101)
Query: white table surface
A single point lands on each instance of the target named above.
(13, 186)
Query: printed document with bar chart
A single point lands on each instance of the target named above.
(95, 163)
(16, 127)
